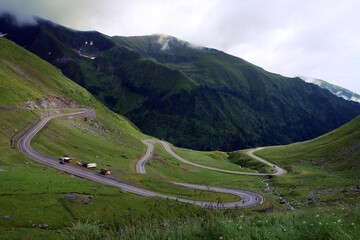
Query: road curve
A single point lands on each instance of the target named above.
(248, 199)
(278, 170)
(140, 166)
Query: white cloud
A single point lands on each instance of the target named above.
(299, 37)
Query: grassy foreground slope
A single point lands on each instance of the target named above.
(32, 194)
(326, 223)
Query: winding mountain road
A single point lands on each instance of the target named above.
(278, 170)
(248, 199)
(140, 166)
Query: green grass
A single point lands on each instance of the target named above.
(245, 161)
(163, 167)
(11, 122)
(297, 186)
(58, 139)
(29, 192)
(322, 171)
(174, 170)
(49, 186)
(214, 159)
(24, 77)
(341, 223)
(337, 150)
(31, 233)
(90, 144)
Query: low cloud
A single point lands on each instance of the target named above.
(301, 37)
(17, 9)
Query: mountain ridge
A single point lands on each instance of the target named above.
(31, 191)
(335, 89)
(198, 97)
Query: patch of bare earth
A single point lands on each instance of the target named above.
(50, 102)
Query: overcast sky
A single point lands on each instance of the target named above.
(318, 39)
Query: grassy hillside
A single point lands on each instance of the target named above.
(328, 223)
(110, 140)
(336, 150)
(32, 195)
(23, 80)
(26, 77)
(195, 97)
(322, 171)
(29, 191)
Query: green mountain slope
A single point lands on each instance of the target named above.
(33, 196)
(192, 96)
(23, 80)
(322, 171)
(337, 150)
(236, 105)
(25, 77)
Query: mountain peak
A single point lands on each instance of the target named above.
(196, 97)
(168, 42)
(337, 90)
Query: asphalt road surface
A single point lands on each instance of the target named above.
(278, 170)
(140, 167)
(248, 199)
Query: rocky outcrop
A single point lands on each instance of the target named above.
(50, 102)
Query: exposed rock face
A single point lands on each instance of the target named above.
(165, 222)
(50, 102)
(30, 105)
(44, 226)
(96, 124)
